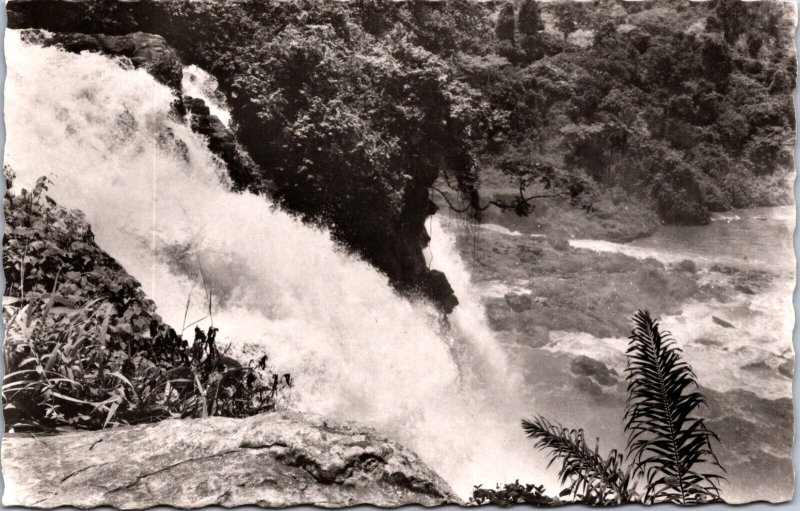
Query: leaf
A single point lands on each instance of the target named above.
(111, 411)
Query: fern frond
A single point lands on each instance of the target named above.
(666, 441)
(590, 478)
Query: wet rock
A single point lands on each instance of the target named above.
(518, 303)
(725, 270)
(500, 318)
(589, 367)
(721, 322)
(439, 290)
(560, 244)
(148, 51)
(787, 369)
(534, 335)
(708, 342)
(243, 171)
(687, 265)
(760, 366)
(588, 386)
(270, 460)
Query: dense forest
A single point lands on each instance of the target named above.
(357, 113)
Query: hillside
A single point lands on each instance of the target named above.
(355, 110)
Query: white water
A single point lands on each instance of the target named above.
(199, 84)
(157, 200)
(748, 240)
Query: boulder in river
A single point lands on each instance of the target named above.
(787, 369)
(597, 370)
(721, 322)
(535, 335)
(687, 265)
(270, 460)
(518, 302)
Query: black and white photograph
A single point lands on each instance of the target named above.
(398, 252)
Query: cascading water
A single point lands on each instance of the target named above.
(199, 84)
(158, 201)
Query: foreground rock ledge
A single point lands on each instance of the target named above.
(271, 460)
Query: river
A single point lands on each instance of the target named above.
(725, 292)
(754, 337)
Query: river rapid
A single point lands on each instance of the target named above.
(747, 348)
(724, 290)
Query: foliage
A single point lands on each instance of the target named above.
(84, 346)
(660, 79)
(511, 494)
(669, 448)
(355, 109)
(591, 479)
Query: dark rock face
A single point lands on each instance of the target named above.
(242, 170)
(439, 290)
(147, 51)
(270, 460)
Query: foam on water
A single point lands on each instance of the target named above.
(500, 229)
(158, 202)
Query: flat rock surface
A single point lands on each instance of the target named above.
(271, 460)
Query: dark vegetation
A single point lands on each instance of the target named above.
(511, 494)
(356, 111)
(669, 450)
(84, 346)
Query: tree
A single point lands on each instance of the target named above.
(529, 18)
(669, 448)
(529, 27)
(569, 15)
(733, 16)
(504, 30)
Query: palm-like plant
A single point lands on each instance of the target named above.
(668, 446)
(665, 441)
(591, 478)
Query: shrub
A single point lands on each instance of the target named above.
(510, 494)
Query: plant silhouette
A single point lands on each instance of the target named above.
(668, 449)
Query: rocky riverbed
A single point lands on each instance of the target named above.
(561, 304)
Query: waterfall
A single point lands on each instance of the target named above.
(159, 202)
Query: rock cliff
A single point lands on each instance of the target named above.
(271, 460)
